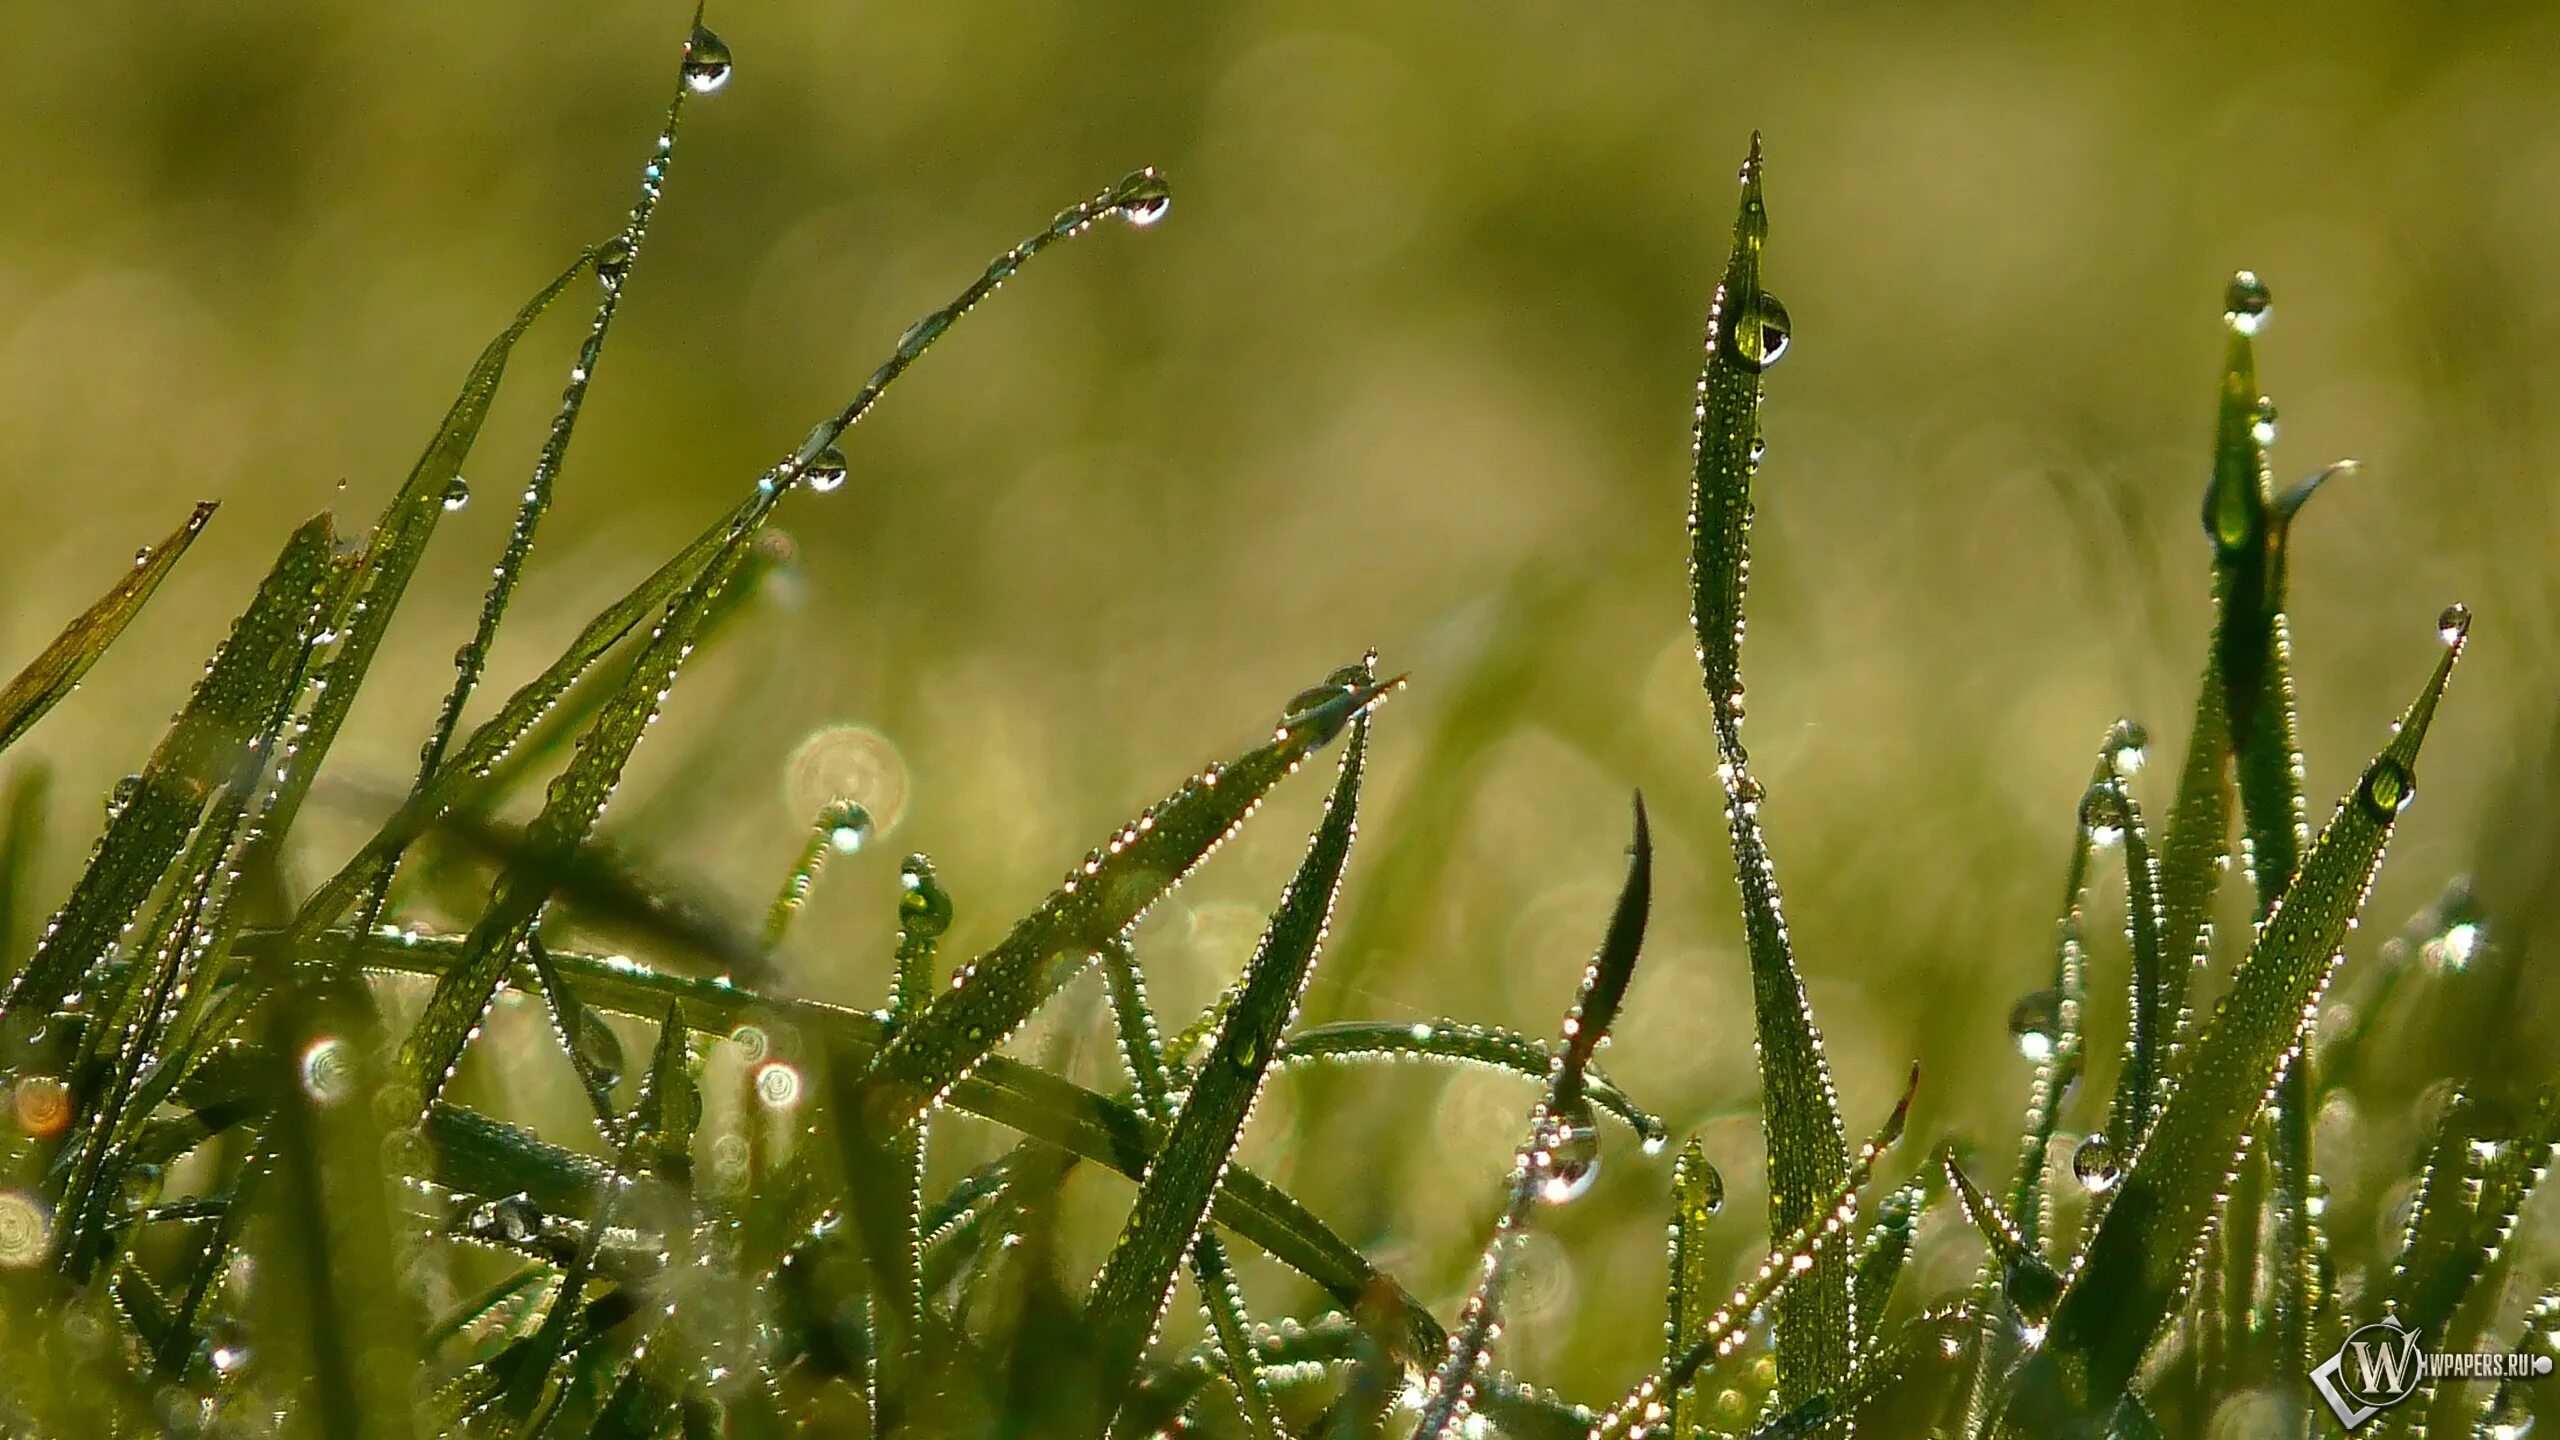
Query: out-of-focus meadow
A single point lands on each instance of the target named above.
(1409, 364)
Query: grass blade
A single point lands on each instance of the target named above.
(1491, 1046)
(1808, 1150)
(1099, 900)
(2138, 1259)
(1697, 1193)
(1561, 1156)
(57, 671)
(1173, 1201)
(201, 758)
(21, 844)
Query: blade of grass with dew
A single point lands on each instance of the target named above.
(1641, 1411)
(1007, 1092)
(1747, 330)
(594, 1051)
(670, 1104)
(613, 262)
(576, 799)
(199, 759)
(22, 833)
(1114, 886)
(2138, 1259)
(1490, 1046)
(1172, 1206)
(1561, 1156)
(2027, 1279)
(2147, 1021)
(1886, 1252)
(133, 1033)
(1691, 1292)
(1142, 1051)
(57, 671)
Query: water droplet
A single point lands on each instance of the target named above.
(1756, 335)
(706, 62)
(2387, 789)
(2458, 944)
(228, 1350)
(2453, 623)
(2032, 1284)
(2245, 305)
(613, 260)
(2035, 1021)
(1144, 198)
(924, 907)
(2103, 815)
(2262, 422)
(777, 1085)
(516, 1218)
(25, 1231)
(1571, 1140)
(826, 470)
(457, 493)
(141, 557)
(328, 1070)
(2095, 1165)
(847, 825)
(599, 1049)
(122, 795)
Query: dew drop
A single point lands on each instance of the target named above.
(2245, 305)
(517, 1218)
(924, 907)
(229, 1352)
(847, 825)
(457, 493)
(2262, 422)
(1144, 199)
(2387, 789)
(1571, 1139)
(141, 557)
(613, 261)
(1757, 335)
(2095, 1165)
(706, 61)
(122, 795)
(2035, 1022)
(826, 470)
(2102, 815)
(2453, 623)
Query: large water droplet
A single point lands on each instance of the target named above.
(228, 1351)
(613, 260)
(2035, 1022)
(706, 62)
(2032, 1284)
(2245, 305)
(2453, 623)
(847, 825)
(1755, 336)
(516, 1218)
(457, 493)
(826, 470)
(2103, 815)
(1571, 1139)
(924, 907)
(1144, 198)
(2262, 422)
(2095, 1165)
(122, 795)
(2387, 789)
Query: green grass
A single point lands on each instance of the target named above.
(242, 1194)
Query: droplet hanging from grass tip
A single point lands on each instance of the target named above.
(847, 824)
(1144, 198)
(826, 470)
(2453, 623)
(707, 63)
(2245, 305)
(2035, 1022)
(924, 907)
(2095, 1165)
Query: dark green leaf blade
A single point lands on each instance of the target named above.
(1689, 1301)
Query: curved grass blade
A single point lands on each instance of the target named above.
(1142, 1050)
(57, 671)
(1173, 1201)
(2148, 1020)
(1491, 1046)
(1144, 860)
(1561, 1155)
(1697, 1193)
(1887, 1249)
(1642, 1410)
(201, 758)
(2138, 1259)
(1808, 1150)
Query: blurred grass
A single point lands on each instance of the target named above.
(1425, 315)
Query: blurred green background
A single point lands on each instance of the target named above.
(1410, 365)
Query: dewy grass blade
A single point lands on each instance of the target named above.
(577, 798)
(1142, 1050)
(1490, 1046)
(1100, 899)
(22, 831)
(1561, 1156)
(1173, 1201)
(1747, 330)
(1887, 1249)
(57, 671)
(1689, 1300)
(1642, 1410)
(200, 759)
(2138, 1259)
